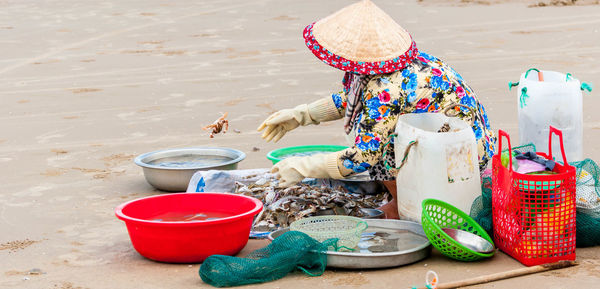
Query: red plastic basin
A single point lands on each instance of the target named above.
(189, 241)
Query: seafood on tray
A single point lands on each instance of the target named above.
(285, 205)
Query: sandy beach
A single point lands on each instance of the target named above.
(85, 86)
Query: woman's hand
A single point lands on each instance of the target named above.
(286, 172)
(294, 169)
(279, 123)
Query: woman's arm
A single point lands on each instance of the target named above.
(382, 104)
(378, 121)
(340, 100)
(328, 108)
(285, 120)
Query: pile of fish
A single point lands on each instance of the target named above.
(285, 205)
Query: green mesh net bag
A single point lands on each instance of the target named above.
(288, 252)
(588, 202)
(481, 210)
(588, 187)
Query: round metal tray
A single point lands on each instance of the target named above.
(361, 260)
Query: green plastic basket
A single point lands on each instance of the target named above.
(277, 155)
(437, 215)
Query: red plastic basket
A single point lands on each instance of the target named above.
(534, 215)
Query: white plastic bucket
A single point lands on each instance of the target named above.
(555, 101)
(441, 166)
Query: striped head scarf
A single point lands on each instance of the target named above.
(354, 86)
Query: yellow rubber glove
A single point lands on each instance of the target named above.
(285, 120)
(294, 169)
(279, 123)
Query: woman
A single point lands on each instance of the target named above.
(386, 76)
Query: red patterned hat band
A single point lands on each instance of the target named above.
(360, 67)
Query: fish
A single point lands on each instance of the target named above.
(285, 205)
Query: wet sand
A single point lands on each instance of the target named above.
(86, 86)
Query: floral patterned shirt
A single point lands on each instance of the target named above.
(425, 85)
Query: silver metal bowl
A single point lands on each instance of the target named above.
(368, 213)
(362, 177)
(372, 213)
(470, 240)
(362, 184)
(176, 178)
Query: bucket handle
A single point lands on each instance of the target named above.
(540, 78)
(413, 143)
(452, 106)
(501, 134)
(406, 151)
(559, 133)
(523, 97)
(538, 71)
(584, 85)
(568, 77)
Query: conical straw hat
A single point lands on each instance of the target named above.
(361, 38)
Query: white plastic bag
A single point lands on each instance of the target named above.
(441, 166)
(224, 181)
(549, 98)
